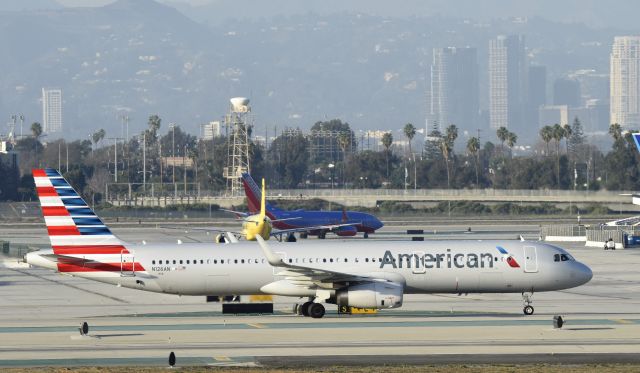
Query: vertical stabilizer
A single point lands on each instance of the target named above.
(263, 201)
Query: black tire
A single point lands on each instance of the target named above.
(303, 235)
(316, 310)
(304, 309)
(322, 235)
(366, 235)
(528, 310)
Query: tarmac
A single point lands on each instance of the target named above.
(41, 311)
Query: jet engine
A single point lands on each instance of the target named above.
(371, 295)
(348, 231)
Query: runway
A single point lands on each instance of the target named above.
(41, 311)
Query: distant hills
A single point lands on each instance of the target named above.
(142, 57)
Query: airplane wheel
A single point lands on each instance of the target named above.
(322, 235)
(366, 235)
(528, 310)
(291, 238)
(304, 309)
(303, 235)
(316, 310)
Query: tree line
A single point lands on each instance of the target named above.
(295, 159)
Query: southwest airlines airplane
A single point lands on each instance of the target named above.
(365, 274)
(345, 223)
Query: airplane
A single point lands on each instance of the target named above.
(342, 223)
(262, 225)
(359, 274)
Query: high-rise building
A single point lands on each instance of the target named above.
(454, 95)
(508, 75)
(210, 130)
(625, 81)
(537, 92)
(51, 110)
(567, 92)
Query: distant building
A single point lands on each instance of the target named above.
(566, 92)
(51, 110)
(210, 130)
(625, 81)
(537, 92)
(508, 78)
(553, 114)
(593, 85)
(454, 95)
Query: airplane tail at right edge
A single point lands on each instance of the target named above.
(636, 139)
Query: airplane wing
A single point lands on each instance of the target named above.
(307, 276)
(238, 214)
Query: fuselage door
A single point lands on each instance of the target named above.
(417, 264)
(530, 259)
(127, 264)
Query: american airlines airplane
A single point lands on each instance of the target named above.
(364, 274)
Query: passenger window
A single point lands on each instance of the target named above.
(331, 260)
(187, 261)
(290, 260)
(235, 261)
(366, 260)
(242, 261)
(202, 261)
(180, 261)
(221, 261)
(208, 262)
(153, 262)
(324, 260)
(174, 261)
(345, 260)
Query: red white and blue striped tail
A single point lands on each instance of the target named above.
(74, 229)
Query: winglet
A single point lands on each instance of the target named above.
(263, 201)
(273, 258)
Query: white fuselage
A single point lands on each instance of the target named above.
(421, 267)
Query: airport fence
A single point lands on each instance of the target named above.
(563, 230)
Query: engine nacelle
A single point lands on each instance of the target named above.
(377, 295)
(348, 231)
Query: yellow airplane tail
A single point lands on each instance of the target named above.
(263, 201)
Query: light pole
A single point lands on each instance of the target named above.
(331, 166)
(173, 151)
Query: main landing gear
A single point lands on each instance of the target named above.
(528, 308)
(314, 310)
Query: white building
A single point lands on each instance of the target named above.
(210, 130)
(51, 110)
(508, 74)
(625, 81)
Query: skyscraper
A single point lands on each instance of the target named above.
(537, 92)
(625, 81)
(51, 110)
(454, 88)
(508, 74)
(567, 92)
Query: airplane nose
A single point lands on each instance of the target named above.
(583, 274)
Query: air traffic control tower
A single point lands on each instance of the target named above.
(238, 121)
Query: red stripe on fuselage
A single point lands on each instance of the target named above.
(46, 192)
(69, 230)
(55, 211)
(38, 172)
(79, 266)
(89, 249)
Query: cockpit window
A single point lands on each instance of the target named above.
(565, 257)
(556, 257)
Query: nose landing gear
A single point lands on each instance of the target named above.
(528, 308)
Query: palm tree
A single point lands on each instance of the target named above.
(502, 134)
(409, 132)
(473, 147)
(557, 134)
(344, 141)
(36, 130)
(546, 133)
(615, 130)
(446, 147)
(387, 140)
(512, 138)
